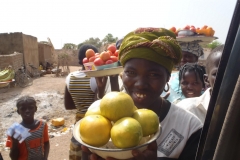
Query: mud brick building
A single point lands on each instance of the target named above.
(21, 43)
(15, 60)
(46, 53)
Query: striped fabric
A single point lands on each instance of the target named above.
(81, 93)
(34, 143)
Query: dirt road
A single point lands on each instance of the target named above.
(48, 92)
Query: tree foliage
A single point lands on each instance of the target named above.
(69, 46)
(93, 41)
(214, 44)
(99, 44)
(109, 39)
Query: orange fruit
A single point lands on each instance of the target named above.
(94, 110)
(148, 119)
(116, 105)
(126, 133)
(95, 130)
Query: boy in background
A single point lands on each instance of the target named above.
(36, 146)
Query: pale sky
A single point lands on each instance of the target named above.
(74, 21)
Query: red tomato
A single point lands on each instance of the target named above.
(114, 58)
(187, 27)
(116, 53)
(85, 60)
(193, 29)
(110, 53)
(173, 29)
(109, 61)
(112, 48)
(98, 62)
(91, 59)
(105, 56)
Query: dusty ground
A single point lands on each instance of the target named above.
(48, 91)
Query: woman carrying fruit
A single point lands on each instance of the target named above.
(79, 95)
(148, 56)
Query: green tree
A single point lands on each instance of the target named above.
(214, 44)
(93, 41)
(109, 39)
(69, 46)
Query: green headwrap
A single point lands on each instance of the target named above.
(154, 44)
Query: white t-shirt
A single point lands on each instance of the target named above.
(197, 105)
(177, 127)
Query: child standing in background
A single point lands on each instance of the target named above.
(35, 146)
(199, 105)
(191, 80)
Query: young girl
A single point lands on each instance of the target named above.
(199, 105)
(191, 80)
(35, 146)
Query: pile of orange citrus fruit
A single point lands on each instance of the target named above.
(116, 117)
(204, 30)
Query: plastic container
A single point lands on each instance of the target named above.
(115, 64)
(186, 33)
(89, 66)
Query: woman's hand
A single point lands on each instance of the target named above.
(149, 154)
(101, 85)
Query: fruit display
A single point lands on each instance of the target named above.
(204, 30)
(7, 74)
(116, 117)
(107, 57)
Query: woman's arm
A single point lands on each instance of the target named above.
(46, 149)
(114, 83)
(68, 101)
(101, 85)
(14, 151)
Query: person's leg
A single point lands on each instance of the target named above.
(1, 158)
(75, 152)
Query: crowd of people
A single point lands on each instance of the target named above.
(148, 57)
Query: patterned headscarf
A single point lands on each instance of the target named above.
(192, 47)
(154, 44)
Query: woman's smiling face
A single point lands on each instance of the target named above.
(144, 81)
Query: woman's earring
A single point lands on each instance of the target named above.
(167, 88)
